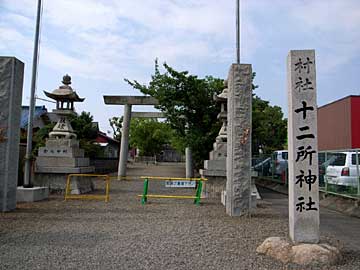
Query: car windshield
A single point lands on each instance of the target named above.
(339, 159)
(284, 155)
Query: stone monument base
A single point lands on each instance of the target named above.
(215, 185)
(302, 254)
(33, 194)
(254, 197)
(56, 182)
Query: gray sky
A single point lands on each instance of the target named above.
(99, 43)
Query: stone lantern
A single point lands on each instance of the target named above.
(215, 168)
(222, 116)
(62, 154)
(65, 97)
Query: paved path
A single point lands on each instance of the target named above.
(342, 227)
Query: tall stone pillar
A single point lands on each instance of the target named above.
(238, 163)
(124, 149)
(189, 163)
(11, 84)
(303, 148)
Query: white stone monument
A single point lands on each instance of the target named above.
(303, 147)
(303, 247)
(11, 84)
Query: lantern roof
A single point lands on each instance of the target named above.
(65, 92)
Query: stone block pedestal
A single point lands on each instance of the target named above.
(31, 194)
(215, 185)
(59, 158)
(57, 181)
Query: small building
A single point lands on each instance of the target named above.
(111, 146)
(41, 117)
(339, 124)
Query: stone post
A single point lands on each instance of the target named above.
(303, 148)
(124, 148)
(11, 84)
(238, 164)
(189, 163)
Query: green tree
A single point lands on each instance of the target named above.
(86, 133)
(269, 128)
(83, 126)
(191, 111)
(116, 125)
(149, 135)
(40, 137)
(187, 101)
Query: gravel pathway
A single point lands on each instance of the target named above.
(123, 234)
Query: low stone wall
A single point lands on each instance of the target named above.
(57, 183)
(105, 165)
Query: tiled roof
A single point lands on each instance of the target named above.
(39, 111)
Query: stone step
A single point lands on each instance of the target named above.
(62, 142)
(64, 170)
(205, 173)
(217, 165)
(217, 154)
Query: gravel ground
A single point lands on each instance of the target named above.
(123, 234)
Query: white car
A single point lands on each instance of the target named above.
(343, 170)
(280, 162)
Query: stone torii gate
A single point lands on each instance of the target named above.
(127, 101)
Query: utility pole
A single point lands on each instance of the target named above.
(238, 31)
(28, 156)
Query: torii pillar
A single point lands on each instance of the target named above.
(128, 101)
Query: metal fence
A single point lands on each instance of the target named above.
(338, 171)
(167, 157)
(145, 159)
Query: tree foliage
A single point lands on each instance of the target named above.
(269, 128)
(187, 101)
(83, 126)
(116, 125)
(40, 136)
(149, 135)
(86, 133)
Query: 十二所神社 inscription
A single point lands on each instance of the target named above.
(303, 150)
